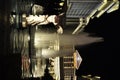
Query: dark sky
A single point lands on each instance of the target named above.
(101, 58)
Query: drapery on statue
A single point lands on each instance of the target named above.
(44, 20)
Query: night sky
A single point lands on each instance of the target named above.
(101, 58)
(98, 59)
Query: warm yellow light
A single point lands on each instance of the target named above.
(61, 4)
(77, 59)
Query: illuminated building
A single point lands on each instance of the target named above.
(41, 47)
